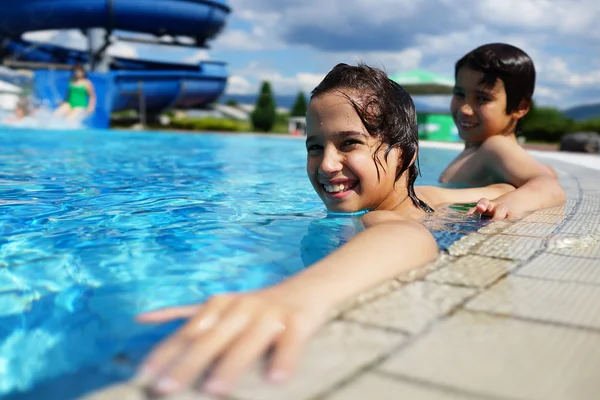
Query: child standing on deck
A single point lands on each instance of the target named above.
(362, 147)
(493, 92)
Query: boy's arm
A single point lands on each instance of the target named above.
(537, 193)
(536, 186)
(234, 330)
(437, 197)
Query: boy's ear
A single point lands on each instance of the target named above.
(522, 110)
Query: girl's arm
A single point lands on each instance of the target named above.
(234, 330)
(92, 94)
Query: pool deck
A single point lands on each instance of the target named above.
(509, 312)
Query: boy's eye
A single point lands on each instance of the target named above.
(482, 99)
(314, 147)
(460, 95)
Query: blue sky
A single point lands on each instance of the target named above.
(294, 43)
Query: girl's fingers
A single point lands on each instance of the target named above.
(242, 353)
(202, 350)
(167, 314)
(169, 351)
(286, 353)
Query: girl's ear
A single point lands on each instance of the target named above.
(522, 110)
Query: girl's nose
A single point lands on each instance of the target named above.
(331, 163)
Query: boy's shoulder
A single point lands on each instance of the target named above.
(499, 143)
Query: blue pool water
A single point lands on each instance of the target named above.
(96, 227)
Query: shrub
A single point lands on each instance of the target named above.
(264, 114)
(207, 124)
(299, 108)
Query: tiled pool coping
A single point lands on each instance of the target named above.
(509, 312)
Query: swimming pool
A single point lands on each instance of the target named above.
(97, 226)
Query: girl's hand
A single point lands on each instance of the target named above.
(230, 331)
(489, 208)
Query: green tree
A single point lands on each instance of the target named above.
(545, 124)
(264, 114)
(232, 103)
(299, 108)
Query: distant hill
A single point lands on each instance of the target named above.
(580, 113)
(287, 101)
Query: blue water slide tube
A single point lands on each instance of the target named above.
(158, 85)
(200, 19)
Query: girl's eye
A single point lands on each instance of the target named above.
(351, 142)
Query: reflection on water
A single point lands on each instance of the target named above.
(450, 223)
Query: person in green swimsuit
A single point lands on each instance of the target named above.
(81, 98)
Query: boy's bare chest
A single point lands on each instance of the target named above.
(468, 168)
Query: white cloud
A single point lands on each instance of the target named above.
(239, 85)
(196, 57)
(560, 35)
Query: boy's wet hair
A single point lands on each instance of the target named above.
(387, 112)
(505, 62)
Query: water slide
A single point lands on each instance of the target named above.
(120, 83)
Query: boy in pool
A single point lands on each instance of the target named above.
(362, 146)
(493, 92)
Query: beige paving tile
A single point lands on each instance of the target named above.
(471, 270)
(505, 357)
(340, 349)
(562, 302)
(534, 229)
(582, 224)
(520, 228)
(495, 227)
(466, 244)
(190, 395)
(564, 209)
(117, 392)
(375, 386)
(584, 246)
(412, 307)
(588, 205)
(544, 218)
(562, 268)
(509, 247)
(418, 274)
(410, 276)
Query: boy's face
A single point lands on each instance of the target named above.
(340, 153)
(479, 111)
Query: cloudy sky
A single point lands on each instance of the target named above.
(293, 43)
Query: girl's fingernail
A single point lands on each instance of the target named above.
(144, 376)
(277, 376)
(167, 385)
(215, 386)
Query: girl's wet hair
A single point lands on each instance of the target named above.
(505, 62)
(386, 110)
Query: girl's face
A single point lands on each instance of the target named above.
(340, 161)
(79, 74)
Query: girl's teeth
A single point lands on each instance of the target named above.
(335, 188)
